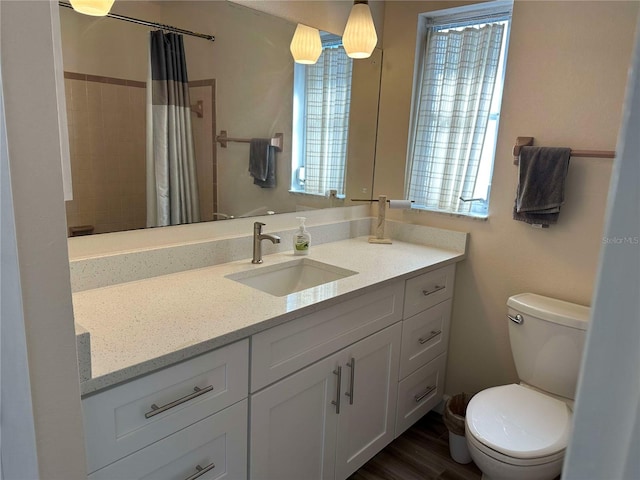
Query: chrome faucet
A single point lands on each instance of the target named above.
(258, 236)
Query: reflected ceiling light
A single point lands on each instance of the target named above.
(306, 46)
(359, 37)
(96, 8)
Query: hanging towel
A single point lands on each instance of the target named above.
(262, 162)
(540, 192)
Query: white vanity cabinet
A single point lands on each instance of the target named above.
(328, 419)
(171, 423)
(310, 399)
(425, 338)
(282, 350)
(336, 409)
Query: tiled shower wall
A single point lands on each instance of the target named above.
(107, 140)
(107, 133)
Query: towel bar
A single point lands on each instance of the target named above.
(528, 141)
(222, 139)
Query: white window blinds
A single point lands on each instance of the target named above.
(456, 88)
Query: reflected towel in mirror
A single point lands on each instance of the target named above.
(262, 162)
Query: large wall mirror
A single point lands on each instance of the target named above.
(242, 83)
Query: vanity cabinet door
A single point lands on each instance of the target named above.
(367, 419)
(293, 425)
(297, 430)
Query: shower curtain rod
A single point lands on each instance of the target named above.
(151, 24)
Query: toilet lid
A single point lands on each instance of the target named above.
(519, 422)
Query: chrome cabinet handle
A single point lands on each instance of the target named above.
(336, 402)
(519, 319)
(155, 409)
(351, 365)
(418, 398)
(433, 334)
(437, 288)
(201, 471)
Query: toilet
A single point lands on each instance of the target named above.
(521, 431)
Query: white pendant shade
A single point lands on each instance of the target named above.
(359, 37)
(96, 8)
(306, 46)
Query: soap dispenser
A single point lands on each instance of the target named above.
(301, 239)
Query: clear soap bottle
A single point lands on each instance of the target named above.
(301, 239)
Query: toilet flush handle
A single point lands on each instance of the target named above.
(517, 319)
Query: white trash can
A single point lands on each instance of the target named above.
(455, 409)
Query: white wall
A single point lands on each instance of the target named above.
(29, 90)
(610, 368)
(565, 87)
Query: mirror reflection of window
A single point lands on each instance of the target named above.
(321, 102)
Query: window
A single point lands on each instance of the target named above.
(321, 100)
(457, 95)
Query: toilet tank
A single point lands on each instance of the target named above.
(547, 345)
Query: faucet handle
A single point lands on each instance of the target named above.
(257, 226)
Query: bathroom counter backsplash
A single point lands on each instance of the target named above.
(143, 325)
(101, 264)
(113, 258)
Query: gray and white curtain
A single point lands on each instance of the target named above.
(172, 187)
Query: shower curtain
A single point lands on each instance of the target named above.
(172, 187)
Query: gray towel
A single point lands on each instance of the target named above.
(540, 193)
(262, 162)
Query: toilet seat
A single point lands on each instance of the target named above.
(518, 425)
(512, 461)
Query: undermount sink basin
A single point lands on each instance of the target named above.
(290, 277)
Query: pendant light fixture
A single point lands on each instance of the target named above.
(306, 46)
(359, 37)
(96, 8)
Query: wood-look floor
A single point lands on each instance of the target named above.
(420, 453)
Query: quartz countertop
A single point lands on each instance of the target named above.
(141, 326)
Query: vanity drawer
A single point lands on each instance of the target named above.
(429, 289)
(424, 337)
(217, 444)
(420, 392)
(289, 347)
(124, 419)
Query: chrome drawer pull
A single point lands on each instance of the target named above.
(155, 410)
(436, 289)
(517, 319)
(429, 390)
(351, 365)
(433, 334)
(336, 402)
(201, 471)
